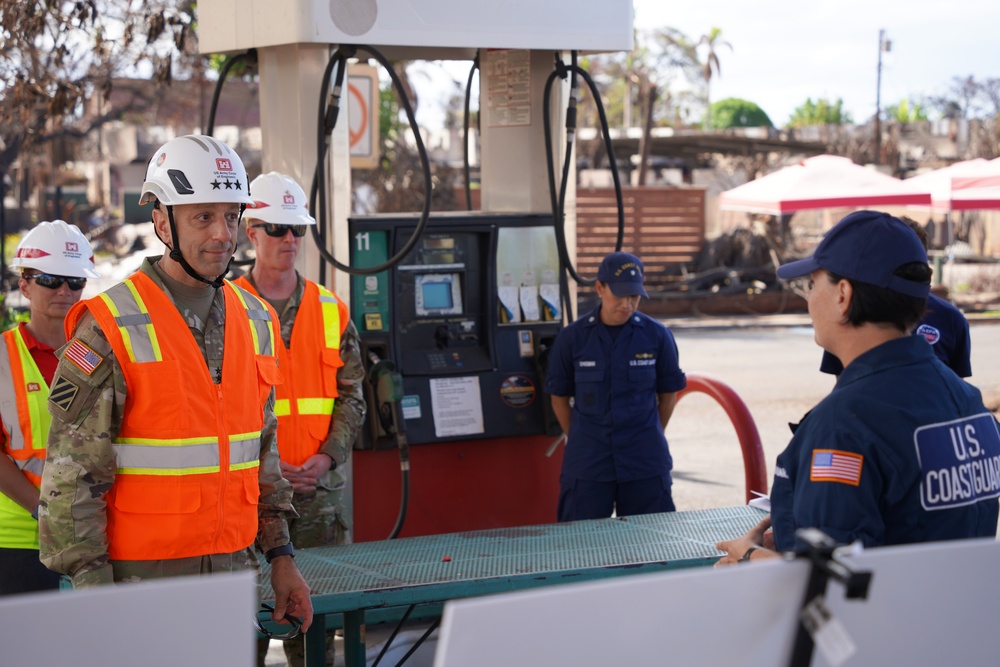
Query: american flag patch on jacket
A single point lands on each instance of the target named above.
(82, 356)
(833, 465)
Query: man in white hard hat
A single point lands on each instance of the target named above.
(54, 260)
(320, 405)
(162, 456)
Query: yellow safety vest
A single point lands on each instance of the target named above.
(26, 419)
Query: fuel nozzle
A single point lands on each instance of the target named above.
(388, 384)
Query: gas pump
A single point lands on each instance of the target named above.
(465, 317)
(457, 331)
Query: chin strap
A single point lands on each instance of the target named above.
(175, 253)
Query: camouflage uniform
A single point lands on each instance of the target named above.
(86, 416)
(323, 519)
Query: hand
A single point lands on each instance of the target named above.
(303, 478)
(759, 536)
(291, 592)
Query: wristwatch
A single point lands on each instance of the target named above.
(283, 550)
(745, 558)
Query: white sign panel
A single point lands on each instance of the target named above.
(162, 623)
(457, 406)
(928, 604)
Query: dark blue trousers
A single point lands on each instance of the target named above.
(581, 499)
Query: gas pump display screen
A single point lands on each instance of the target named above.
(438, 294)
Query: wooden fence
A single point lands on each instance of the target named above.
(663, 226)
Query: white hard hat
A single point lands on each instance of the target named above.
(278, 199)
(56, 248)
(196, 169)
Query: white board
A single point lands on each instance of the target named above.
(928, 605)
(672, 618)
(163, 623)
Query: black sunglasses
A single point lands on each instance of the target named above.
(267, 610)
(278, 231)
(55, 282)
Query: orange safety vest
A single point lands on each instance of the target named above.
(26, 419)
(188, 450)
(306, 399)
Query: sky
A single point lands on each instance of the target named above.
(784, 51)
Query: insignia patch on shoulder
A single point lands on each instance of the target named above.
(82, 356)
(63, 393)
(931, 334)
(833, 465)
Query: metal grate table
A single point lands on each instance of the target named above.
(420, 570)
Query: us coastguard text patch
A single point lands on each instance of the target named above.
(959, 462)
(62, 394)
(833, 465)
(82, 356)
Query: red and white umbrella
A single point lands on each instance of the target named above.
(988, 176)
(964, 186)
(823, 181)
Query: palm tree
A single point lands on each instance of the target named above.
(711, 41)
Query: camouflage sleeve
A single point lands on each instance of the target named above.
(86, 402)
(349, 408)
(275, 505)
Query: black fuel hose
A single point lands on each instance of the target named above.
(327, 120)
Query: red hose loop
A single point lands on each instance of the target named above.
(754, 467)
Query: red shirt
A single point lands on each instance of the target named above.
(43, 355)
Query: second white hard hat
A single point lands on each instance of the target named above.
(279, 200)
(56, 248)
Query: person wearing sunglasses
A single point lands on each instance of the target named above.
(54, 260)
(161, 457)
(320, 406)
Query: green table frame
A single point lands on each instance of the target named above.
(354, 578)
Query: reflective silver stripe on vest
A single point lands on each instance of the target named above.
(255, 314)
(190, 458)
(33, 465)
(133, 322)
(261, 320)
(259, 317)
(328, 299)
(263, 327)
(139, 319)
(8, 401)
(244, 451)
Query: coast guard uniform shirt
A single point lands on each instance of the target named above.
(615, 434)
(901, 451)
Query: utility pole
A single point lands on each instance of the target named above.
(884, 45)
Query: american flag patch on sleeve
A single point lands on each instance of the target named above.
(82, 356)
(833, 465)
